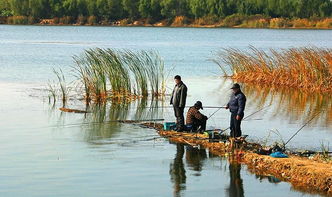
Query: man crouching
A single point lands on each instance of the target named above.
(195, 119)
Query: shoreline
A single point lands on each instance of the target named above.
(170, 26)
(246, 22)
(310, 175)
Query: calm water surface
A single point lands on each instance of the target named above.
(48, 153)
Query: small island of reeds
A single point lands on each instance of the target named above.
(104, 74)
(305, 68)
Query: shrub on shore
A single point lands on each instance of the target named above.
(180, 21)
(92, 20)
(233, 20)
(81, 20)
(18, 20)
(279, 23)
(208, 20)
(302, 23)
(66, 20)
(325, 23)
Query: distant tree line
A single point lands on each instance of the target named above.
(112, 10)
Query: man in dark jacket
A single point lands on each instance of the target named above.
(195, 119)
(178, 100)
(236, 106)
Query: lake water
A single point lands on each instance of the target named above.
(48, 153)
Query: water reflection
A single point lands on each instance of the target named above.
(294, 104)
(178, 172)
(103, 120)
(235, 188)
(195, 158)
(100, 120)
(271, 179)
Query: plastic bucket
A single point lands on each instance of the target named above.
(169, 126)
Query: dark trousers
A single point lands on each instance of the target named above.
(235, 125)
(178, 111)
(199, 124)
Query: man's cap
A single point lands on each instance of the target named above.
(199, 104)
(236, 86)
(178, 77)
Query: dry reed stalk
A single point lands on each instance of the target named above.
(308, 68)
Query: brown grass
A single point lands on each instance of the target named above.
(180, 21)
(308, 68)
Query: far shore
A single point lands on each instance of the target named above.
(180, 21)
(184, 26)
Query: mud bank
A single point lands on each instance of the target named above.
(303, 173)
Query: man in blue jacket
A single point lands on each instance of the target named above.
(236, 106)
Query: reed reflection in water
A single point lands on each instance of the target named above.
(103, 120)
(294, 104)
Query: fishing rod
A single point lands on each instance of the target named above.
(216, 111)
(301, 128)
(112, 121)
(252, 114)
(91, 123)
(207, 107)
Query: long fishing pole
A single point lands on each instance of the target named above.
(207, 107)
(91, 123)
(252, 114)
(215, 111)
(301, 128)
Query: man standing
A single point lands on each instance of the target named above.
(195, 119)
(236, 106)
(178, 100)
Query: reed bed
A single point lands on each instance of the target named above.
(119, 74)
(307, 68)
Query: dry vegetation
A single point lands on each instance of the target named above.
(308, 68)
(235, 20)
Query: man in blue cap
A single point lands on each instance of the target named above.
(236, 106)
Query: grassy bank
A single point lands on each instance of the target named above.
(235, 21)
(308, 68)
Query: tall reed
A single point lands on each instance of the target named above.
(110, 73)
(64, 88)
(308, 68)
